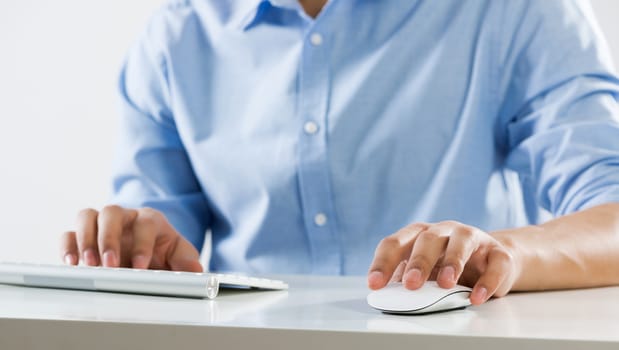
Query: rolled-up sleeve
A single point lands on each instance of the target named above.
(152, 168)
(560, 114)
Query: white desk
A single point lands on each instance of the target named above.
(316, 313)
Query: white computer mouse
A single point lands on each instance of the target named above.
(396, 299)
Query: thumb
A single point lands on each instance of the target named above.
(184, 257)
(181, 255)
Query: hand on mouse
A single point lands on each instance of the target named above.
(118, 237)
(449, 252)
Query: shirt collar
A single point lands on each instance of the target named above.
(250, 11)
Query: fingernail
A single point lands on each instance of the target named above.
(68, 259)
(139, 262)
(376, 277)
(109, 258)
(413, 276)
(481, 294)
(448, 273)
(89, 257)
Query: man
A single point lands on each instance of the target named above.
(303, 133)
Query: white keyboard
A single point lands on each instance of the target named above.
(124, 280)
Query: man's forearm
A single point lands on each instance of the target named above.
(574, 251)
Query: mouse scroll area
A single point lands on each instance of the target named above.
(396, 299)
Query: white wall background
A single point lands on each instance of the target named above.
(58, 66)
(59, 61)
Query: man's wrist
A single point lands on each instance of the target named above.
(514, 241)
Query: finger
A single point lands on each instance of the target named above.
(428, 249)
(500, 264)
(390, 252)
(399, 271)
(111, 223)
(462, 243)
(435, 270)
(86, 235)
(68, 248)
(145, 231)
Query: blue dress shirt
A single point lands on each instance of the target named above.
(300, 143)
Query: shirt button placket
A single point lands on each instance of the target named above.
(314, 178)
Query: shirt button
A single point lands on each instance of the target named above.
(320, 219)
(310, 128)
(316, 39)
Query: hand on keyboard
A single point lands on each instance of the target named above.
(118, 237)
